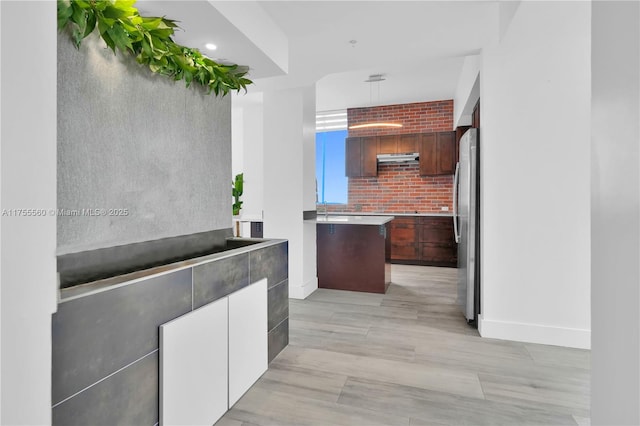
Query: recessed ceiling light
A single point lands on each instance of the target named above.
(211, 46)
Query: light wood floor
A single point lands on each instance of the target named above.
(409, 358)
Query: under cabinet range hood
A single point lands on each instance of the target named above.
(397, 158)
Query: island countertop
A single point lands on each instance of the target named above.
(352, 220)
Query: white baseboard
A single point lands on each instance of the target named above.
(297, 292)
(535, 333)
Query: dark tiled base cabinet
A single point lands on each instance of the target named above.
(105, 358)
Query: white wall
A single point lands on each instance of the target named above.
(467, 91)
(237, 140)
(289, 159)
(28, 180)
(615, 221)
(247, 154)
(535, 220)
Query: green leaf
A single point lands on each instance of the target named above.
(107, 39)
(76, 35)
(120, 37)
(65, 10)
(91, 24)
(83, 4)
(114, 13)
(79, 16)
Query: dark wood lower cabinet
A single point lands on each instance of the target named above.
(403, 238)
(423, 240)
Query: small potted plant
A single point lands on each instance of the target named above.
(236, 192)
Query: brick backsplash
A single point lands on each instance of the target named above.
(399, 188)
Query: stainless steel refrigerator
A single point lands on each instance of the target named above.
(465, 221)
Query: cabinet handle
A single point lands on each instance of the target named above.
(455, 203)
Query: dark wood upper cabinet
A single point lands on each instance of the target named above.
(437, 153)
(408, 143)
(353, 157)
(360, 156)
(428, 154)
(446, 153)
(388, 144)
(369, 153)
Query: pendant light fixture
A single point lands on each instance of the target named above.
(374, 78)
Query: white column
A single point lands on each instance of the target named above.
(615, 218)
(28, 180)
(535, 222)
(289, 181)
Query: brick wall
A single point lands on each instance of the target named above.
(415, 118)
(399, 188)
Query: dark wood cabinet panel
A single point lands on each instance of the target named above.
(428, 154)
(388, 144)
(408, 143)
(369, 160)
(437, 243)
(423, 240)
(353, 157)
(352, 257)
(446, 153)
(437, 153)
(404, 252)
(438, 254)
(404, 238)
(360, 156)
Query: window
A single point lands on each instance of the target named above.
(330, 160)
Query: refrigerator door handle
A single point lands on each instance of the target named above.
(455, 203)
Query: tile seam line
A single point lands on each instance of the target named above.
(104, 378)
(278, 325)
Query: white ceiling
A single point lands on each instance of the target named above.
(418, 45)
(200, 23)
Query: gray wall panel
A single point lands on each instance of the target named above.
(96, 335)
(134, 140)
(129, 397)
(271, 263)
(278, 339)
(278, 297)
(214, 280)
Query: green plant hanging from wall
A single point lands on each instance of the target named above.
(149, 40)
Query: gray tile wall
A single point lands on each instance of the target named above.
(278, 339)
(214, 280)
(105, 345)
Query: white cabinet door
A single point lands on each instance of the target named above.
(247, 338)
(193, 366)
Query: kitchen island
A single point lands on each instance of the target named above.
(353, 252)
